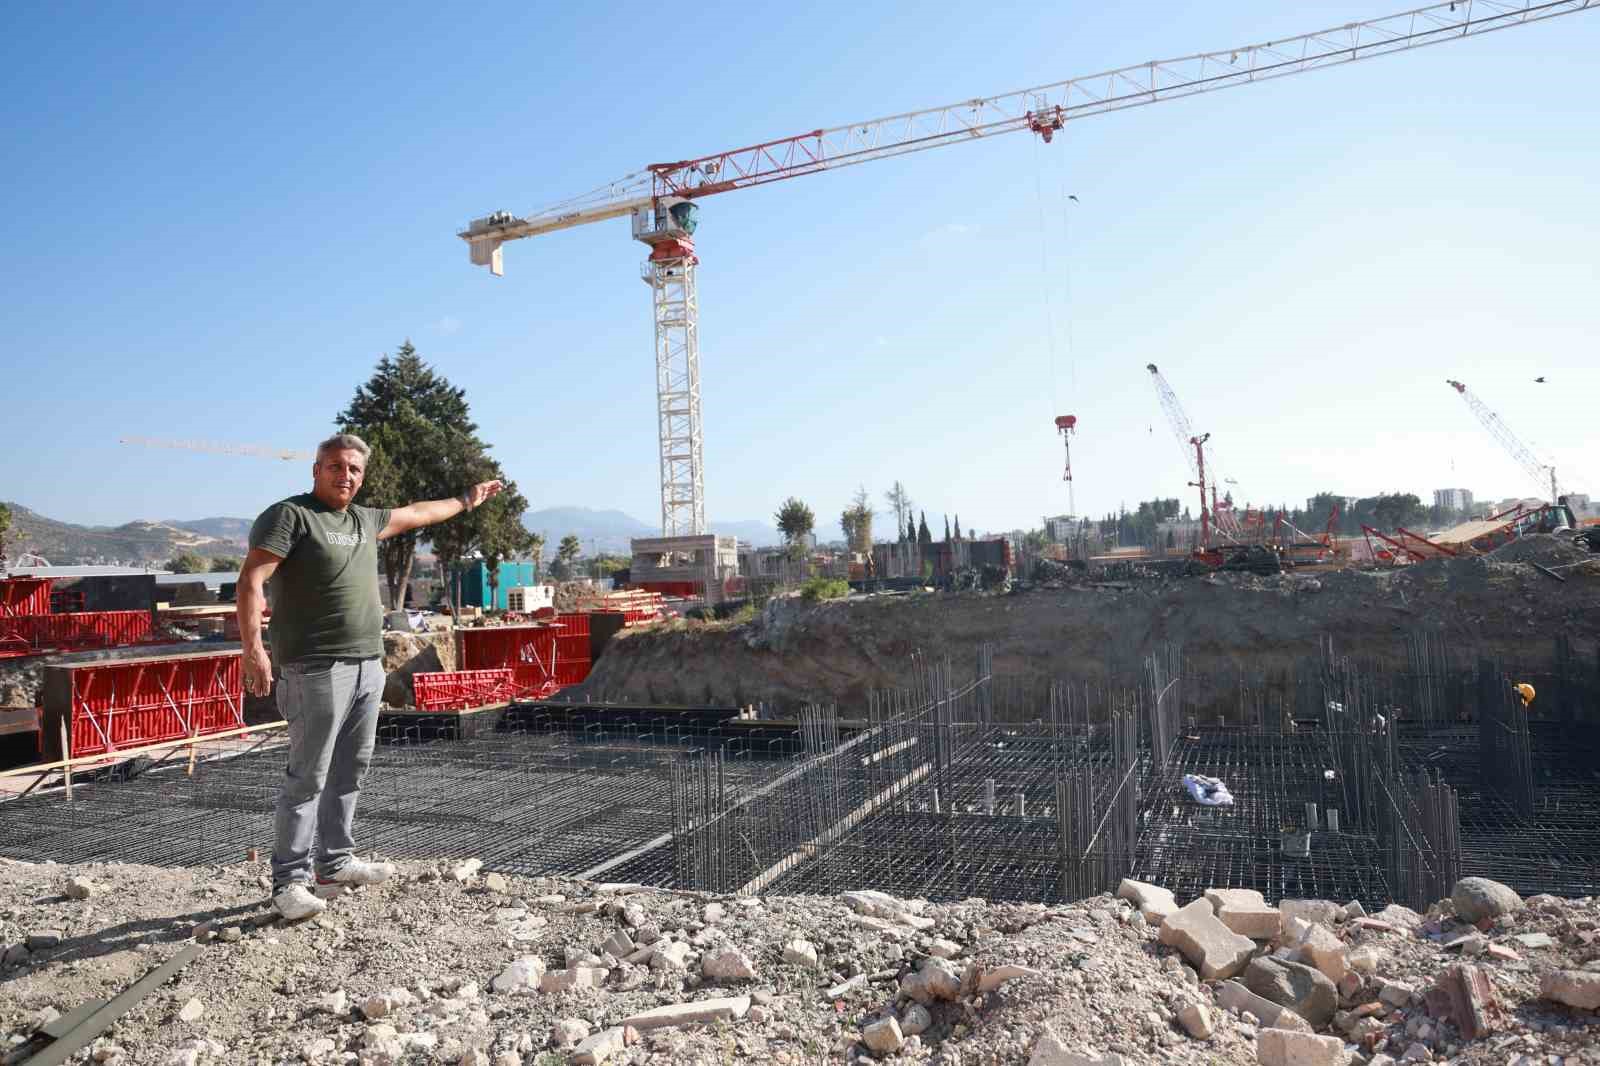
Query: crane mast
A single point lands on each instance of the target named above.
(656, 197)
(1543, 474)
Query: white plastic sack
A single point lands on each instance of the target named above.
(1207, 791)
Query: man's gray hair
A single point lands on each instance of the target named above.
(340, 442)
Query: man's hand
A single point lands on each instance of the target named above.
(257, 672)
(477, 494)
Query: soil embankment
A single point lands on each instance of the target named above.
(1501, 605)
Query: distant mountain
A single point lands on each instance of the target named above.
(611, 531)
(132, 544)
(755, 532)
(236, 530)
(604, 531)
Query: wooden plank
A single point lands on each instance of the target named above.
(128, 753)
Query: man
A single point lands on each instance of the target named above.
(321, 553)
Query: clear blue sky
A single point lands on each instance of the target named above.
(218, 218)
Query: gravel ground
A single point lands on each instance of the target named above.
(419, 971)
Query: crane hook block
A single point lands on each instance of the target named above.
(1066, 423)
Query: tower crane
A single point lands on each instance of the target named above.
(661, 198)
(288, 455)
(1542, 473)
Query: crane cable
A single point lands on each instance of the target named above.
(1047, 287)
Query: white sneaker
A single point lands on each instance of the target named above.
(296, 901)
(357, 872)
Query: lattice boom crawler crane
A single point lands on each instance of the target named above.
(660, 198)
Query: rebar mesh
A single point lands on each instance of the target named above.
(1350, 782)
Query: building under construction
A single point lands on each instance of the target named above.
(1342, 782)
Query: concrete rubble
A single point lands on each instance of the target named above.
(432, 969)
(1214, 949)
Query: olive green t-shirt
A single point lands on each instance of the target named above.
(325, 592)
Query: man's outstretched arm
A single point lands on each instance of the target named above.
(431, 512)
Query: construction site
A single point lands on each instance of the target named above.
(1303, 733)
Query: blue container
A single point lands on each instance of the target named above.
(472, 582)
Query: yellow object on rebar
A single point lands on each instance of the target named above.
(1525, 690)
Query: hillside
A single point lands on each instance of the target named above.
(133, 544)
(139, 542)
(234, 530)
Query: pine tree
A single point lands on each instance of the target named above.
(911, 529)
(924, 538)
(958, 527)
(947, 529)
(425, 447)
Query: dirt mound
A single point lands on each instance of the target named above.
(1543, 548)
(1231, 623)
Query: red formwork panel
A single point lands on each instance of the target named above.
(126, 703)
(541, 658)
(573, 623)
(460, 690)
(24, 596)
(530, 652)
(80, 631)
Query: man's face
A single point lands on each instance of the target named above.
(336, 477)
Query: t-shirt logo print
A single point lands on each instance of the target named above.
(347, 540)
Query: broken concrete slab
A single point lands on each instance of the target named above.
(1575, 988)
(1322, 948)
(1245, 911)
(1234, 897)
(1279, 1047)
(1318, 911)
(698, 1012)
(1214, 949)
(596, 1049)
(1153, 901)
(1397, 915)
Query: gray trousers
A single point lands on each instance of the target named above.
(332, 711)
